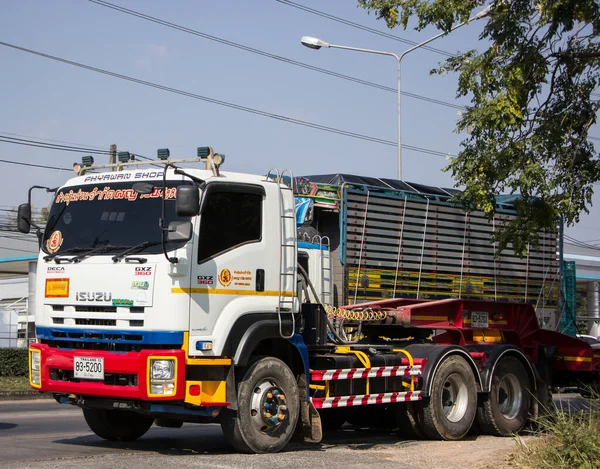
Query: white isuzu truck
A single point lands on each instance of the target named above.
(273, 305)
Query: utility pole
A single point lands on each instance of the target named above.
(112, 157)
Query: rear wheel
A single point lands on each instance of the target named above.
(451, 407)
(117, 425)
(506, 409)
(268, 408)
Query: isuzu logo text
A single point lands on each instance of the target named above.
(93, 296)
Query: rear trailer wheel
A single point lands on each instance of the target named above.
(450, 410)
(506, 408)
(117, 425)
(268, 408)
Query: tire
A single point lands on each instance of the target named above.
(450, 410)
(251, 429)
(505, 410)
(117, 425)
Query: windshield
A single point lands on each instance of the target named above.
(109, 214)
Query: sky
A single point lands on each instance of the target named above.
(47, 100)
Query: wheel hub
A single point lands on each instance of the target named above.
(509, 396)
(455, 398)
(269, 406)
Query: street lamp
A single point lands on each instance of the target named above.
(315, 43)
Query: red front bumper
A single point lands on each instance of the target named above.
(126, 364)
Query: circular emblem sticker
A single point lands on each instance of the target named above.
(225, 277)
(54, 242)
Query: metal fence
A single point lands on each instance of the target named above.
(14, 332)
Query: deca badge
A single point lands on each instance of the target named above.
(225, 277)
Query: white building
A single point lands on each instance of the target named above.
(18, 257)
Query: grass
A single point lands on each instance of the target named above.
(567, 440)
(14, 383)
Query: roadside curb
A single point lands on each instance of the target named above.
(17, 395)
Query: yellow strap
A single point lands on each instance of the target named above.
(411, 363)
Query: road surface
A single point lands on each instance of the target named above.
(42, 433)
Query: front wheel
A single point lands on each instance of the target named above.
(450, 411)
(117, 425)
(268, 408)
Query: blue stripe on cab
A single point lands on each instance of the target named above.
(110, 336)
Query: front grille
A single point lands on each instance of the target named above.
(95, 322)
(95, 309)
(111, 379)
(112, 340)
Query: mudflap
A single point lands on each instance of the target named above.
(311, 423)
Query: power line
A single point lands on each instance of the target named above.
(294, 62)
(271, 56)
(57, 141)
(360, 26)
(54, 146)
(20, 163)
(50, 146)
(228, 104)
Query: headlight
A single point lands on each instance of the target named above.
(35, 361)
(35, 371)
(162, 369)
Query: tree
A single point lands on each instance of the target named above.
(532, 105)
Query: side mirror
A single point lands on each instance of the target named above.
(179, 231)
(24, 218)
(187, 202)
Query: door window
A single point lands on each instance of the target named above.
(230, 218)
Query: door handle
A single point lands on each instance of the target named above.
(260, 279)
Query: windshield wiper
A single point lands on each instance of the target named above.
(90, 251)
(137, 247)
(65, 251)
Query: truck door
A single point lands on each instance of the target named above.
(235, 262)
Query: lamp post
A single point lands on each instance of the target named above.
(315, 43)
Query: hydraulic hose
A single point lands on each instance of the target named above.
(338, 338)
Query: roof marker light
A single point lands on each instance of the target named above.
(87, 160)
(124, 156)
(163, 153)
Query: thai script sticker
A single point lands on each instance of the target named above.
(107, 193)
(242, 278)
(54, 242)
(225, 277)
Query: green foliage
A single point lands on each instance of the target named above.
(14, 362)
(532, 105)
(14, 383)
(569, 441)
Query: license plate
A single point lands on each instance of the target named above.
(88, 367)
(479, 320)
